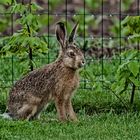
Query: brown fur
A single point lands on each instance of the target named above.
(56, 81)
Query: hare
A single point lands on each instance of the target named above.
(56, 82)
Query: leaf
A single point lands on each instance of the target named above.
(135, 81)
(134, 67)
(122, 66)
(5, 1)
(126, 20)
(123, 74)
(120, 86)
(120, 89)
(130, 54)
(35, 7)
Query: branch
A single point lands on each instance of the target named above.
(30, 49)
(117, 96)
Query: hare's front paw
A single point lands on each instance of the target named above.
(73, 118)
(62, 119)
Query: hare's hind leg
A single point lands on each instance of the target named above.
(26, 112)
(37, 114)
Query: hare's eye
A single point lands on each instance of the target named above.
(71, 54)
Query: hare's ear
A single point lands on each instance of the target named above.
(73, 33)
(61, 33)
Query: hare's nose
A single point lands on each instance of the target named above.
(83, 62)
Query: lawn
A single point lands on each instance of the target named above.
(101, 117)
(103, 126)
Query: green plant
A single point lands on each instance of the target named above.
(130, 26)
(25, 42)
(54, 3)
(125, 4)
(4, 16)
(94, 4)
(115, 28)
(5, 2)
(128, 73)
(85, 21)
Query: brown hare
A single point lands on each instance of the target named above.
(56, 81)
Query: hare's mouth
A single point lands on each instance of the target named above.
(81, 64)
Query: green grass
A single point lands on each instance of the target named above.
(96, 127)
(101, 117)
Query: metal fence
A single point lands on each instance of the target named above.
(11, 74)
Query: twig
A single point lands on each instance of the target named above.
(30, 50)
(132, 94)
(117, 97)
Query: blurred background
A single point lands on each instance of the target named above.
(88, 12)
